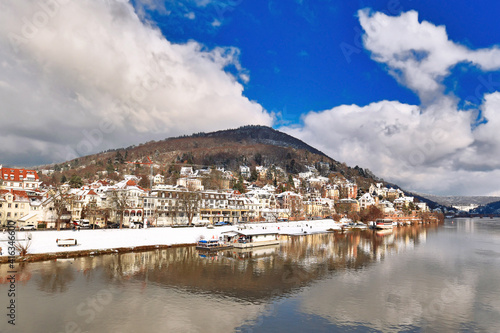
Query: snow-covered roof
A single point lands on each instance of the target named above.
(251, 232)
(288, 194)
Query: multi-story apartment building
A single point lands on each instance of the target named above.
(14, 204)
(19, 179)
(292, 203)
(169, 205)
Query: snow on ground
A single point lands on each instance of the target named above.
(45, 241)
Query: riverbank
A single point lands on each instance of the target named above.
(104, 241)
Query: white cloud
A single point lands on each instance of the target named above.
(433, 147)
(216, 23)
(190, 15)
(83, 76)
(419, 54)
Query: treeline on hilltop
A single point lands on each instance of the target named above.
(229, 149)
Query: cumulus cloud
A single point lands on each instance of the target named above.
(419, 54)
(432, 147)
(82, 76)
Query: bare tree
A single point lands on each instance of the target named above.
(213, 181)
(61, 201)
(119, 203)
(174, 210)
(23, 248)
(344, 207)
(371, 213)
(296, 208)
(91, 210)
(189, 203)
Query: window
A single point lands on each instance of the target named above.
(8, 214)
(10, 206)
(16, 206)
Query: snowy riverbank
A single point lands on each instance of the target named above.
(105, 239)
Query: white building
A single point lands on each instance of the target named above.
(158, 179)
(244, 171)
(366, 200)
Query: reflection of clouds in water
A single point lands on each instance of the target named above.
(178, 311)
(394, 294)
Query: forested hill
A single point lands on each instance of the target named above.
(248, 146)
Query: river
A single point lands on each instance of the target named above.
(416, 279)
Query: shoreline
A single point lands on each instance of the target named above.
(87, 253)
(107, 241)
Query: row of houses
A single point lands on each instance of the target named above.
(23, 200)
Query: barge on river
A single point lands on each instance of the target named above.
(244, 239)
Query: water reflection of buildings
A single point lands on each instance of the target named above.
(233, 284)
(259, 274)
(353, 249)
(466, 225)
(277, 269)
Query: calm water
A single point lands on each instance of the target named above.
(418, 279)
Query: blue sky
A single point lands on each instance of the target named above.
(308, 55)
(408, 89)
(301, 56)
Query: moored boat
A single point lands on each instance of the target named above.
(360, 226)
(211, 245)
(382, 224)
(250, 238)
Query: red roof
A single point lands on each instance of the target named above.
(91, 192)
(6, 173)
(17, 194)
(131, 183)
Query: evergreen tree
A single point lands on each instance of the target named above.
(110, 168)
(119, 158)
(75, 181)
(290, 182)
(254, 175)
(239, 186)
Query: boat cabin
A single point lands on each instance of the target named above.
(250, 238)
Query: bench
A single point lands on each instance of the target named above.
(66, 242)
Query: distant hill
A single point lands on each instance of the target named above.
(460, 200)
(248, 145)
(492, 208)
